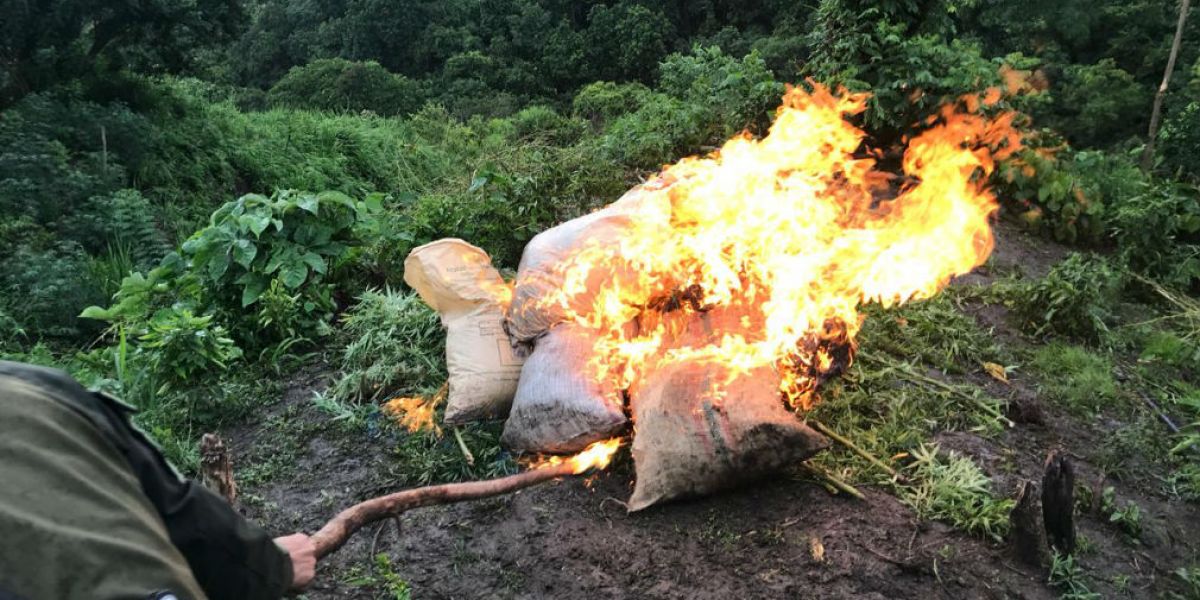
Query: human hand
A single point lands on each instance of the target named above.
(303, 552)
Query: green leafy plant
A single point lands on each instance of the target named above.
(1128, 517)
(1067, 576)
(182, 346)
(394, 344)
(295, 238)
(1075, 299)
(1190, 576)
(953, 489)
(342, 85)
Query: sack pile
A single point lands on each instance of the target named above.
(687, 439)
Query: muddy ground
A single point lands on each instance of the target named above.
(784, 538)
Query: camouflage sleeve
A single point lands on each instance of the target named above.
(228, 556)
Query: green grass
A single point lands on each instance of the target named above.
(1076, 378)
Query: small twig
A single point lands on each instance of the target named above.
(462, 445)
(886, 558)
(837, 483)
(857, 450)
(374, 543)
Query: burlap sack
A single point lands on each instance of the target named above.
(559, 407)
(698, 427)
(548, 255)
(458, 281)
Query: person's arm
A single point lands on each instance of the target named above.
(229, 556)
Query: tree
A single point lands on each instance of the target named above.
(44, 42)
(1156, 112)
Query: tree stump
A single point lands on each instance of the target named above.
(216, 470)
(1028, 539)
(1058, 502)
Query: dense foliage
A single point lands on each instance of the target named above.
(194, 191)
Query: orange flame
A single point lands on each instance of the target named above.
(595, 456)
(415, 413)
(780, 239)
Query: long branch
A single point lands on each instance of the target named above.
(335, 533)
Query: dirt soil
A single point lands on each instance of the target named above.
(785, 538)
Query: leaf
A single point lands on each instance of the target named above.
(997, 372)
(95, 312)
(255, 285)
(244, 252)
(309, 203)
(293, 274)
(218, 265)
(477, 183)
(315, 261)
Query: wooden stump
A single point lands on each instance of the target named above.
(1028, 539)
(216, 470)
(1058, 502)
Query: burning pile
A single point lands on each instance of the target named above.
(707, 301)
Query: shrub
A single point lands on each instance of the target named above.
(46, 287)
(1097, 105)
(395, 344)
(1074, 299)
(1180, 139)
(121, 220)
(1069, 195)
(337, 84)
(181, 347)
(543, 123)
(296, 238)
(1158, 232)
(603, 101)
(737, 93)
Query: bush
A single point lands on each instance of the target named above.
(336, 84)
(737, 93)
(542, 123)
(1067, 194)
(44, 289)
(1158, 232)
(395, 345)
(181, 347)
(1180, 139)
(123, 219)
(1075, 299)
(603, 101)
(295, 238)
(1097, 105)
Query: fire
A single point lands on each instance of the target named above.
(595, 456)
(781, 239)
(415, 413)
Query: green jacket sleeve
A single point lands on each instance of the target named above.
(230, 557)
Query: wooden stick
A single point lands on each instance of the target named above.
(856, 449)
(335, 533)
(216, 470)
(462, 445)
(830, 479)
